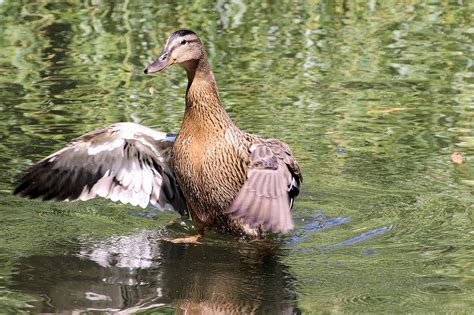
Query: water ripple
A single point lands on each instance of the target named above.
(362, 237)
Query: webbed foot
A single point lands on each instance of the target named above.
(187, 240)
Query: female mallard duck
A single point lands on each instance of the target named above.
(228, 180)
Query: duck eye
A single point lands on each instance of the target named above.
(183, 42)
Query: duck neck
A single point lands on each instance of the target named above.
(203, 106)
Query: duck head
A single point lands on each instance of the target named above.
(183, 47)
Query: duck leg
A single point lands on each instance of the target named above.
(194, 239)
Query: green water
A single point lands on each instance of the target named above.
(372, 96)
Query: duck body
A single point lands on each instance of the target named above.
(203, 164)
(210, 159)
(228, 180)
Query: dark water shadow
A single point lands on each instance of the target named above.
(140, 272)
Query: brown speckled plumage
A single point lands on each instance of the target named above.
(230, 181)
(212, 155)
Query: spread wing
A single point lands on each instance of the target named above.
(266, 198)
(124, 162)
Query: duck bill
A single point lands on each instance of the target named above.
(159, 64)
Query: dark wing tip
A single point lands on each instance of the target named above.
(27, 185)
(43, 180)
(20, 188)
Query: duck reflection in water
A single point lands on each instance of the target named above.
(139, 272)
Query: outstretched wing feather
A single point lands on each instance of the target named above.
(265, 199)
(125, 161)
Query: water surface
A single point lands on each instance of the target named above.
(372, 97)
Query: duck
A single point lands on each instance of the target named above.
(225, 179)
